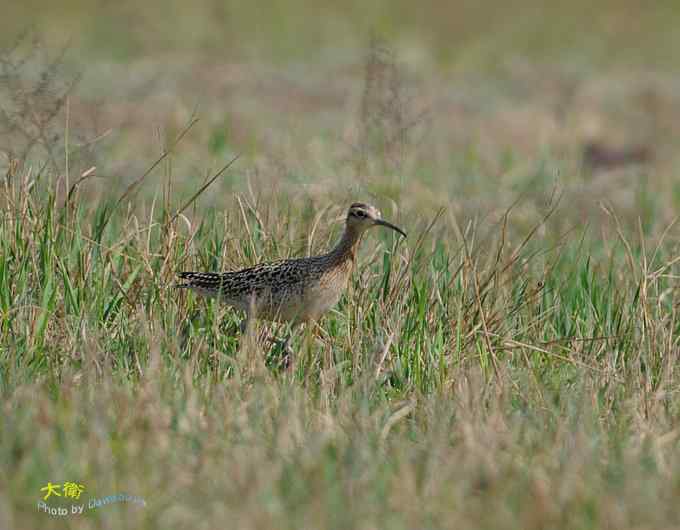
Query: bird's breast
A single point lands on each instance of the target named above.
(325, 293)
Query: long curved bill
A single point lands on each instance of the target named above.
(382, 222)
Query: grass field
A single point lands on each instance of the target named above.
(513, 364)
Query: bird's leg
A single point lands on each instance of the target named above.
(244, 326)
(283, 345)
(250, 314)
(247, 330)
(310, 341)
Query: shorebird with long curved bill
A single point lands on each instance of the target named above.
(294, 290)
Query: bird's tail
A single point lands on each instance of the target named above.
(200, 280)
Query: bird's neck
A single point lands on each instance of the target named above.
(346, 248)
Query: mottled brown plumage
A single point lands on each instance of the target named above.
(292, 290)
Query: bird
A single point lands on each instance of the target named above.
(296, 290)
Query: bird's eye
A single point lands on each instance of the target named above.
(359, 213)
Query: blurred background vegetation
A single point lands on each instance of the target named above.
(453, 34)
(474, 104)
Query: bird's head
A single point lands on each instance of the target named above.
(361, 217)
